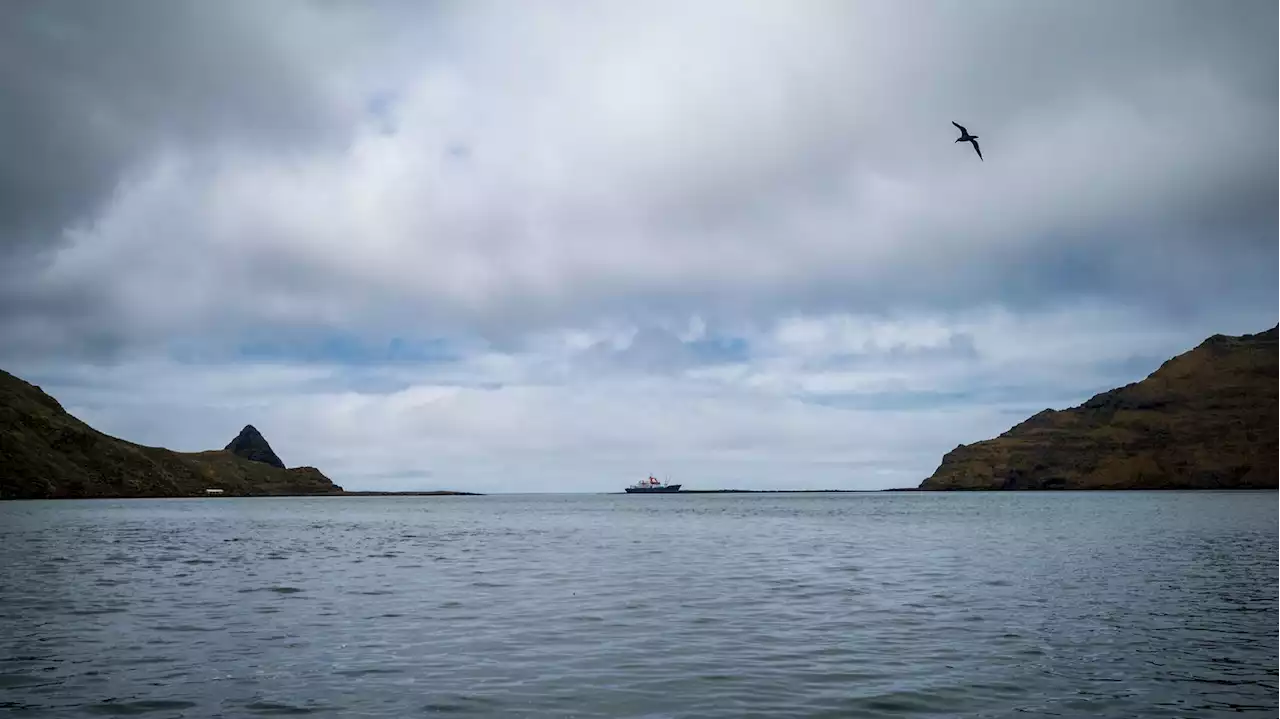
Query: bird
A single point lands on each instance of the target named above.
(964, 135)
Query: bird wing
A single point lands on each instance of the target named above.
(977, 149)
(953, 122)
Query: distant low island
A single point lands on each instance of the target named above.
(438, 493)
(766, 491)
(1206, 419)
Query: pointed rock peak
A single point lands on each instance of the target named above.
(250, 444)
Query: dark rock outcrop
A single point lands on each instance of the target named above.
(47, 453)
(1206, 419)
(251, 445)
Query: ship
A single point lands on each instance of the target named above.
(652, 486)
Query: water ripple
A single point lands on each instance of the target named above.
(1071, 604)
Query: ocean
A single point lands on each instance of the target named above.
(1070, 604)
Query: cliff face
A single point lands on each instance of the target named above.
(46, 452)
(1206, 419)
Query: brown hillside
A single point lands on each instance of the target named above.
(1206, 419)
(46, 452)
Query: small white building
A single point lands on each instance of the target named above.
(213, 491)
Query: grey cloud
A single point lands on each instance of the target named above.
(95, 90)
(731, 160)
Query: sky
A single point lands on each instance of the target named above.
(561, 246)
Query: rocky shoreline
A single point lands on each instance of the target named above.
(46, 453)
(1206, 419)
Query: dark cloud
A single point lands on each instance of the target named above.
(203, 168)
(93, 91)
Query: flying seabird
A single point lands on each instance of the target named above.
(964, 135)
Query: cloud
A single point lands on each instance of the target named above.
(95, 91)
(637, 202)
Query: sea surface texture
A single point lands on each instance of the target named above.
(1127, 604)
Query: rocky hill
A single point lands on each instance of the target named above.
(250, 444)
(1206, 419)
(46, 452)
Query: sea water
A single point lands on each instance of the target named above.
(1077, 604)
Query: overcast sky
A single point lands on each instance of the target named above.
(559, 246)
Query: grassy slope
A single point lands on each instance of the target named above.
(1206, 419)
(46, 452)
